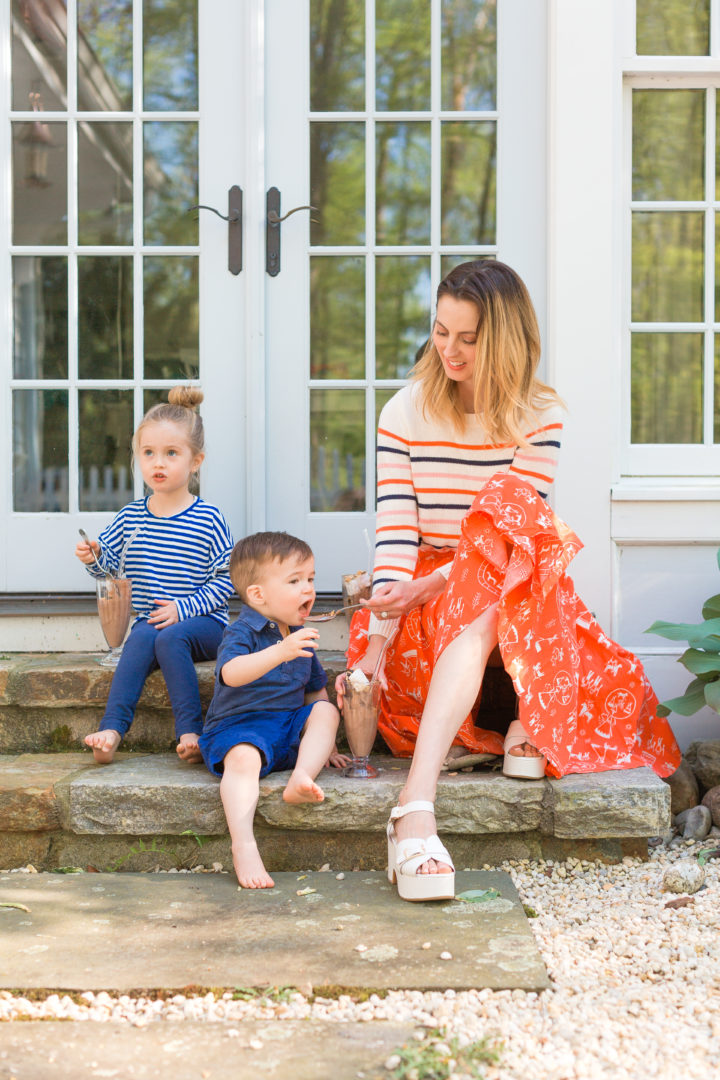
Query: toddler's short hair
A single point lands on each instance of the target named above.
(254, 552)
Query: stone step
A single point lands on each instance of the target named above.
(51, 701)
(148, 810)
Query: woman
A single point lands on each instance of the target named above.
(468, 557)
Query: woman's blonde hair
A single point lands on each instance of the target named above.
(179, 409)
(507, 353)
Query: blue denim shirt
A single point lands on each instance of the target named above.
(283, 687)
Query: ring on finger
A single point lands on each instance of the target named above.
(383, 614)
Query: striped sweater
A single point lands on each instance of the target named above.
(428, 474)
(182, 558)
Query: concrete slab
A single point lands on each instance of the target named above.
(130, 932)
(301, 1049)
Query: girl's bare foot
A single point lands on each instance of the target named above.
(188, 749)
(103, 745)
(301, 788)
(251, 873)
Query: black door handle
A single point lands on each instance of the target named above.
(234, 220)
(272, 229)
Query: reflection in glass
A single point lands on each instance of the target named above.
(39, 56)
(402, 54)
(667, 388)
(382, 396)
(667, 267)
(469, 54)
(337, 317)
(337, 55)
(668, 144)
(104, 44)
(105, 183)
(40, 317)
(402, 312)
(105, 317)
(40, 451)
(170, 287)
(39, 163)
(337, 450)
(402, 164)
(673, 27)
(449, 262)
(170, 55)
(105, 420)
(468, 182)
(171, 182)
(337, 183)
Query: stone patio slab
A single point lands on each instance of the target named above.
(297, 1049)
(141, 931)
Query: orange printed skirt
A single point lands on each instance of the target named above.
(586, 701)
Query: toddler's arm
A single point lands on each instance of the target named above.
(251, 666)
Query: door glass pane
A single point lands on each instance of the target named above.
(469, 54)
(337, 317)
(402, 54)
(403, 183)
(667, 267)
(402, 306)
(40, 451)
(105, 183)
(716, 409)
(170, 54)
(39, 183)
(171, 317)
(337, 55)
(106, 427)
(337, 183)
(39, 55)
(449, 262)
(40, 303)
(104, 48)
(667, 388)
(469, 151)
(668, 141)
(337, 449)
(673, 27)
(171, 182)
(105, 317)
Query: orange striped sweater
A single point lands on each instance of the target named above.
(429, 474)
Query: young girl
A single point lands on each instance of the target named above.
(177, 561)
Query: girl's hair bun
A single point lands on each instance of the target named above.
(188, 397)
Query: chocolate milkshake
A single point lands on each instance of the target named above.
(114, 601)
(360, 717)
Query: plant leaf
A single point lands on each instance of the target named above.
(477, 896)
(689, 703)
(20, 907)
(708, 853)
(712, 694)
(711, 607)
(699, 662)
(693, 633)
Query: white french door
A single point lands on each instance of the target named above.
(416, 129)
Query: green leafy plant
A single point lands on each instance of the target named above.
(702, 659)
(437, 1058)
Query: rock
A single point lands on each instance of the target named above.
(684, 876)
(704, 760)
(684, 790)
(695, 823)
(711, 801)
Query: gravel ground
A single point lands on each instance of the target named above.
(636, 983)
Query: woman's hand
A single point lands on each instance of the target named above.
(398, 597)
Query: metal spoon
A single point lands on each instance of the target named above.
(326, 616)
(86, 538)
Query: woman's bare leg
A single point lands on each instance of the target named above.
(454, 686)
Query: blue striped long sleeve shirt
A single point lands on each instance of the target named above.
(182, 558)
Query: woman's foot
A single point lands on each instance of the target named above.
(421, 825)
(103, 745)
(188, 749)
(251, 873)
(522, 760)
(301, 788)
(419, 865)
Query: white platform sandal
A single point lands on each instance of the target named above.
(515, 765)
(406, 856)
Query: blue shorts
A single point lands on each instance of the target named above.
(275, 734)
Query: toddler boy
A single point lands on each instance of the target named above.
(270, 709)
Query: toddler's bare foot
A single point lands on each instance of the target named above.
(251, 873)
(188, 749)
(301, 788)
(103, 745)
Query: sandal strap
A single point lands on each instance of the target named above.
(412, 808)
(412, 853)
(516, 736)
